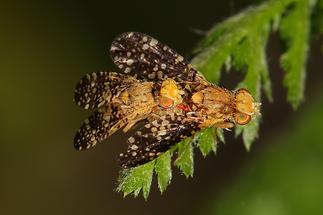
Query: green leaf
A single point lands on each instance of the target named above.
(250, 133)
(135, 179)
(220, 135)
(251, 53)
(185, 160)
(163, 170)
(222, 39)
(207, 141)
(239, 41)
(210, 61)
(295, 27)
(263, 67)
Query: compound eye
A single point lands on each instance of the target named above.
(242, 118)
(244, 101)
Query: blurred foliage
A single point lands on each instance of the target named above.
(238, 42)
(317, 23)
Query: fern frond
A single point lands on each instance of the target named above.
(239, 42)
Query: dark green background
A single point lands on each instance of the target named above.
(46, 46)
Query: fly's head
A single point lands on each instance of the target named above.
(170, 94)
(245, 106)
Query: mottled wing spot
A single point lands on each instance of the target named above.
(91, 132)
(137, 52)
(153, 139)
(94, 90)
(96, 128)
(131, 140)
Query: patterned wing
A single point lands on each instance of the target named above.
(155, 138)
(142, 56)
(95, 90)
(96, 128)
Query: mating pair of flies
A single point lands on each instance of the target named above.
(159, 95)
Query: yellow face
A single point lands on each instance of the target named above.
(170, 94)
(246, 107)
